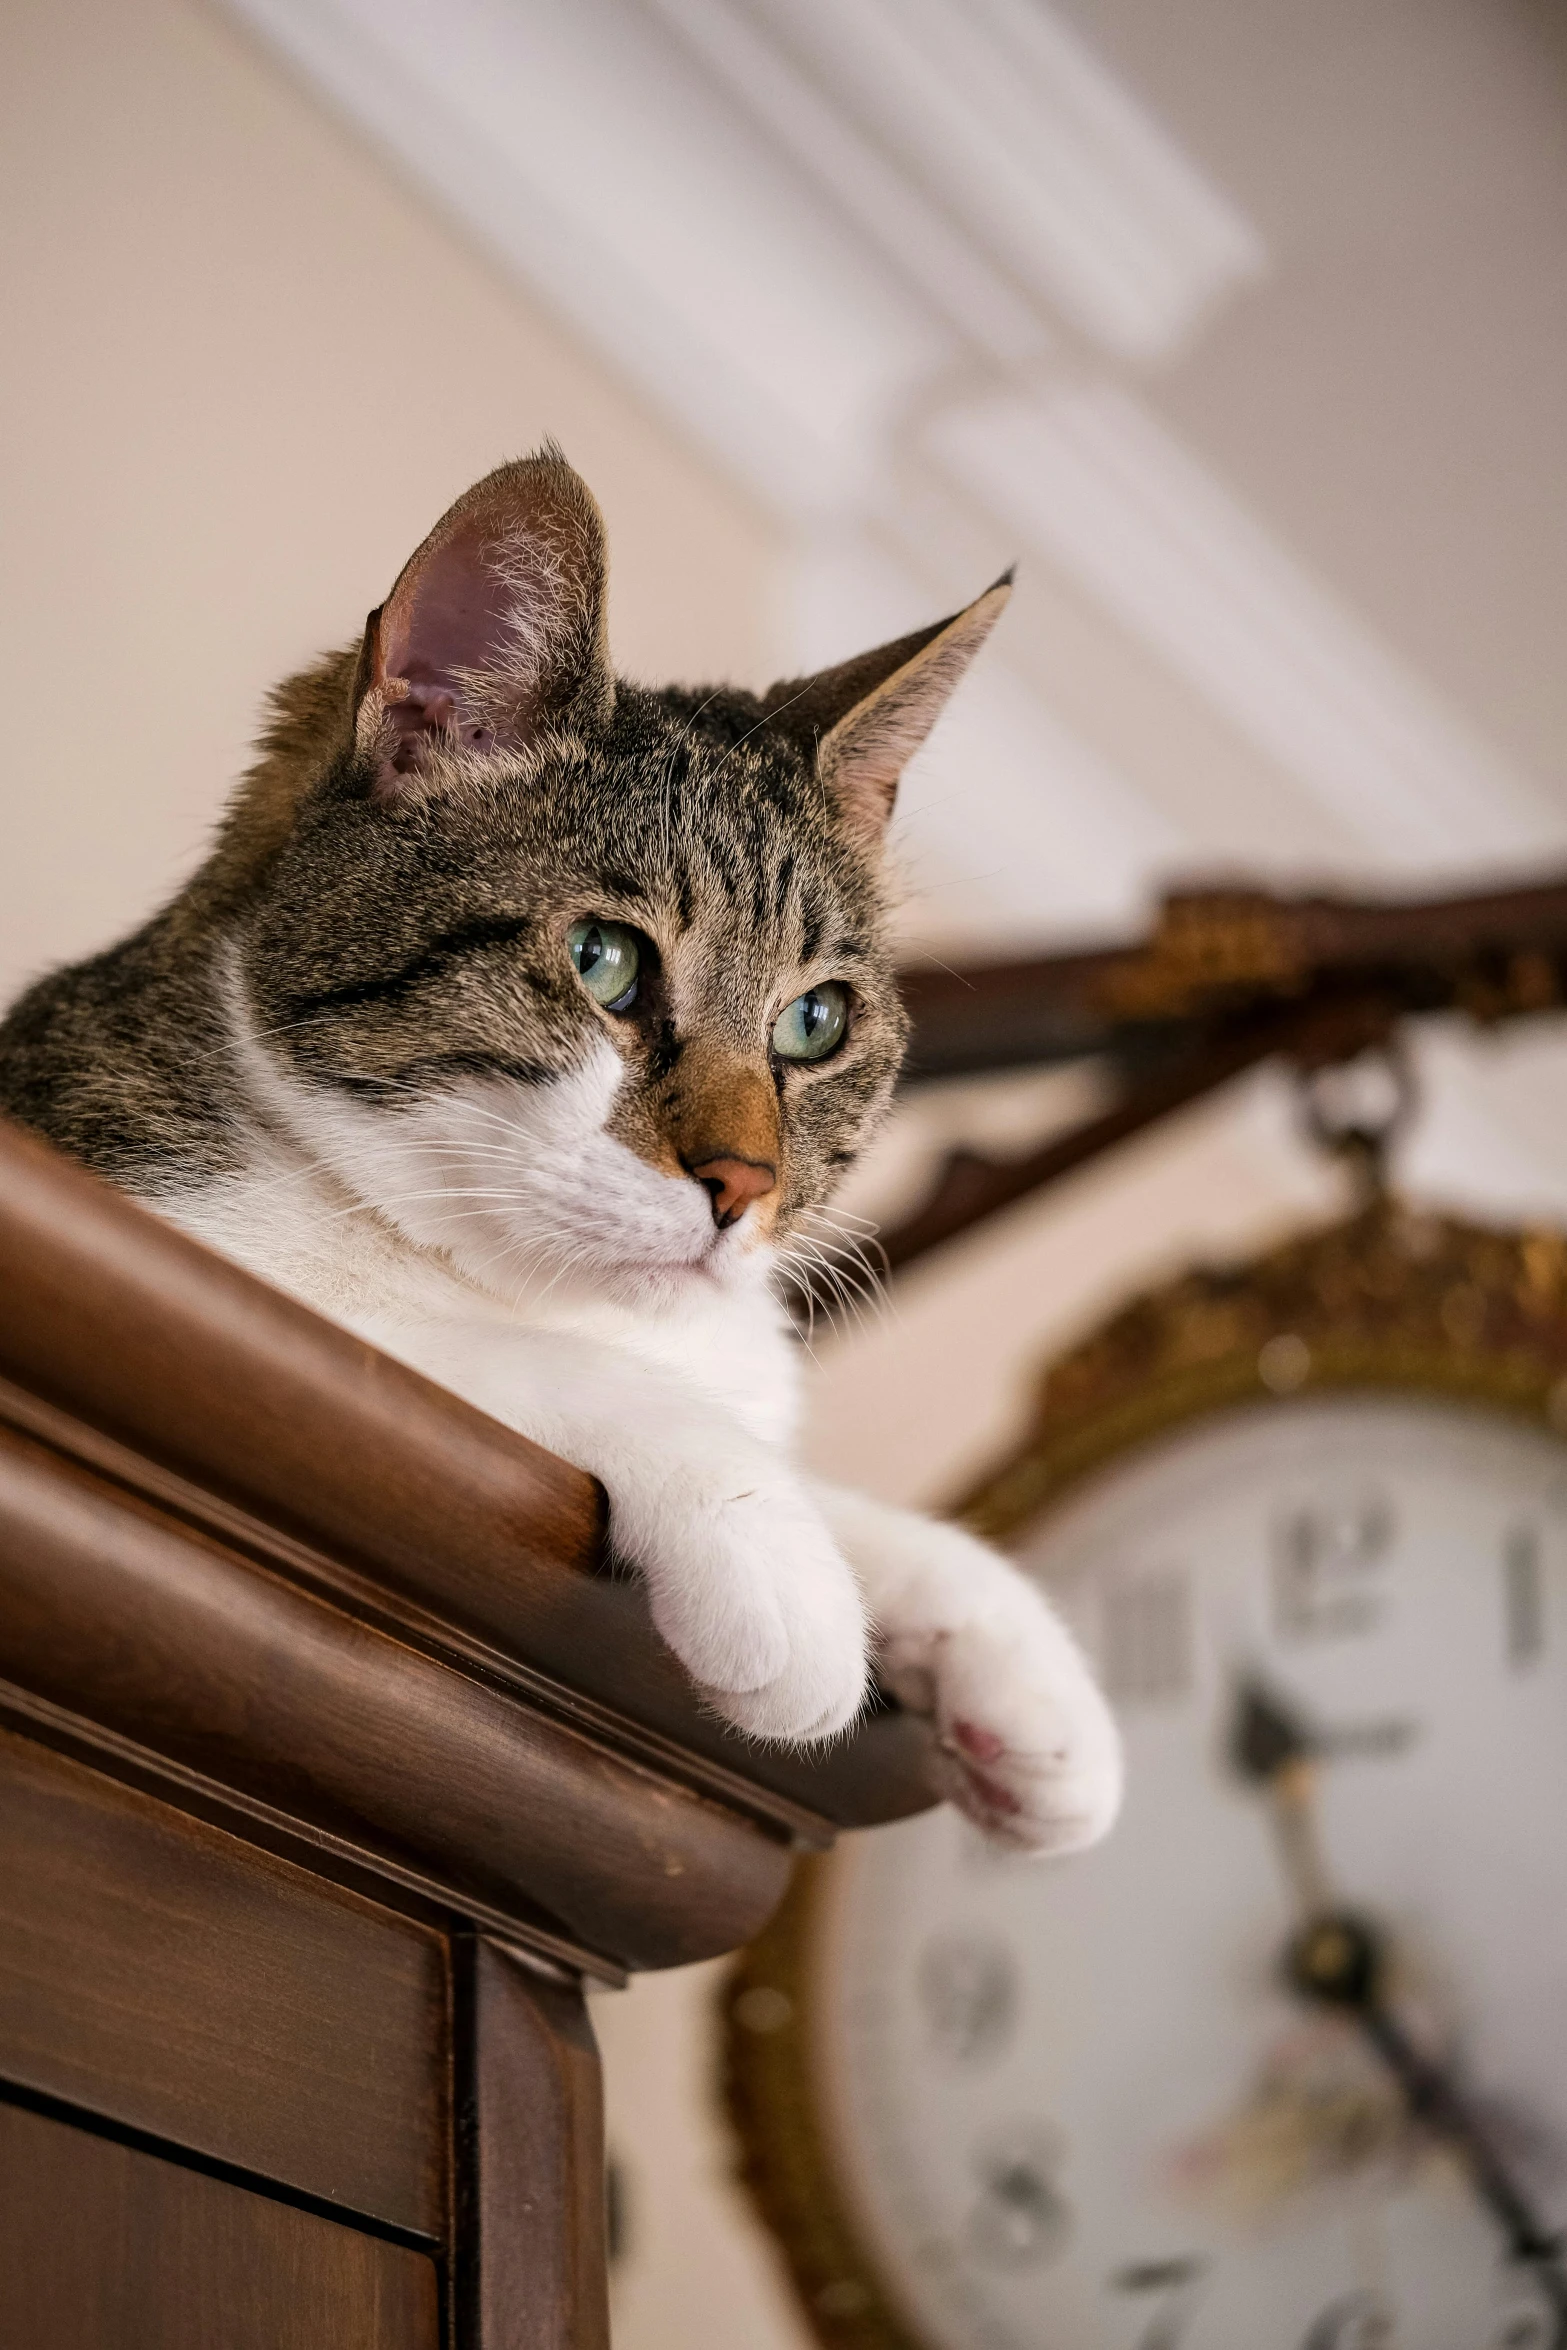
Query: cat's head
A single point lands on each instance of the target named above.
(569, 977)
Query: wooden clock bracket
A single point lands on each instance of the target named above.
(1227, 979)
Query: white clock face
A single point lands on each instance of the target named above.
(1076, 2105)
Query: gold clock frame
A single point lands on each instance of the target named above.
(1393, 1298)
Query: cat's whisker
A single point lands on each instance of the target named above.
(385, 1199)
(857, 1244)
(867, 1251)
(349, 1158)
(766, 719)
(876, 1266)
(857, 1298)
(849, 1246)
(827, 1212)
(669, 770)
(817, 1270)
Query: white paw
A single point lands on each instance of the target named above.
(1025, 1743)
(753, 1595)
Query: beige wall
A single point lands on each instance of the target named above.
(243, 372)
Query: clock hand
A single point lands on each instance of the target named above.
(1273, 1748)
(1338, 1959)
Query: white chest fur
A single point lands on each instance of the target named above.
(294, 1222)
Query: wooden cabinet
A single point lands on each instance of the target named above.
(104, 2243)
(333, 1760)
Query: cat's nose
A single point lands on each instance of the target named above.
(732, 1184)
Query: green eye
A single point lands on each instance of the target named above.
(812, 1026)
(608, 958)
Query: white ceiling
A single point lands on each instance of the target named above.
(1242, 322)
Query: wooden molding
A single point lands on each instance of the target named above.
(250, 1553)
(530, 2140)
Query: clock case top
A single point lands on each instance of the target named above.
(1394, 1298)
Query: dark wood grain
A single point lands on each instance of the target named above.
(1227, 977)
(125, 1327)
(186, 1985)
(103, 2247)
(199, 1654)
(970, 1187)
(1222, 953)
(120, 1315)
(531, 2268)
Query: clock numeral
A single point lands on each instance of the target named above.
(1019, 2219)
(1523, 1593)
(968, 1989)
(1360, 2321)
(1148, 1640)
(1326, 1560)
(1176, 2282)
(1527, 2325)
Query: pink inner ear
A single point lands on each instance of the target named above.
(425, 710)
(495, 622)
(452, 615)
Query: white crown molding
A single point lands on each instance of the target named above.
(575, 144)
(796, 230)
(1095, 481)
(917, 239)
(1042, 169)
(787, 225)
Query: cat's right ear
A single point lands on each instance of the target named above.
(494, 631)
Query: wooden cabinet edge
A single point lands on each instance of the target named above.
(128, 1346)
(202, 1657)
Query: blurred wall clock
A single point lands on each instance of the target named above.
(1284, 2065)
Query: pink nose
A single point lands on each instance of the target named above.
(732, 1184)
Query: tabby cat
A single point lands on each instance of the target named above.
(519, 1019)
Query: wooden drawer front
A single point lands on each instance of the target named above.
(106, 2248)
(162, 1973)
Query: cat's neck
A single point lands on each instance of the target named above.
(290, 1220)
(294, 1215)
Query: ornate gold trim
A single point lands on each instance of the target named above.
(1393, 1298)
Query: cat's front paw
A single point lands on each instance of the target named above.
(1025, 1744)
(753, 1595)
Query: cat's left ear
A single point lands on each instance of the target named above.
(867, 717)
(494, 629)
